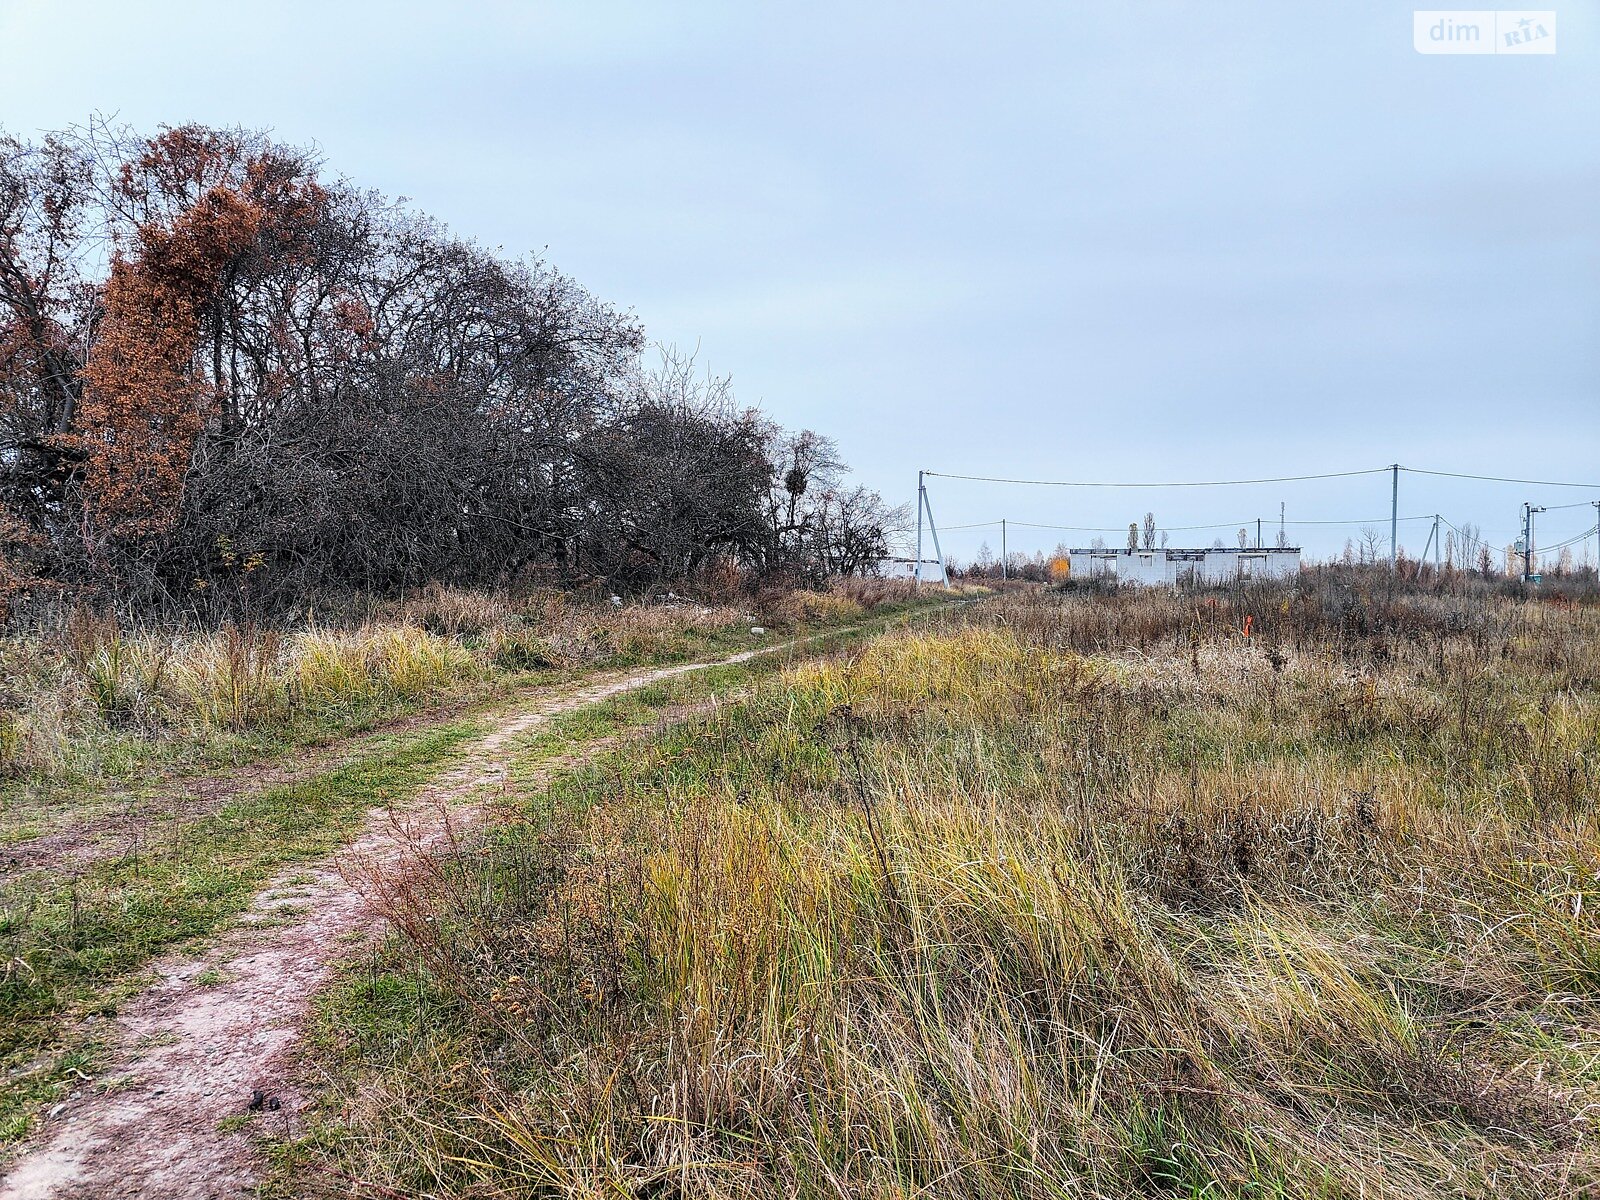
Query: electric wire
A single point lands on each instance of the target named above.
(1574, 504)
(1173, 483)
(1571, 541)
(1466, 537)
(1351, 523)
(1124, 528)
(1498, 478)
(1108, 483)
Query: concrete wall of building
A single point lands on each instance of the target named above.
(1171, 568)
(1093, 564)
(906, 568)
(1149, 567)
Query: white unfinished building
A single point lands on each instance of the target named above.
(1178, 568)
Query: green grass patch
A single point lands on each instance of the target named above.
(75, 942)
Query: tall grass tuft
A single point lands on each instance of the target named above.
(232, 680)
(330, 668)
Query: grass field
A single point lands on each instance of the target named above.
(84, 699)
(81, 920)
(1281, 893)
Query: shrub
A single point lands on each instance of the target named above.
(232, 679)
(413, 663)
(455, 612)
(520, 649)
(1079, 896)
(81, 695)
(870, 592)
(330, 668)
(796, 607)
(10, 743)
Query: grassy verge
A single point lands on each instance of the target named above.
(104, 721)
(962, 917)
(74, 944)
(77, 942)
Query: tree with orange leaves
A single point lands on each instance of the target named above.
(203, 206)
(282, 387)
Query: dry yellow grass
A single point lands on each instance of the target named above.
(1081, 898)
(96, 697)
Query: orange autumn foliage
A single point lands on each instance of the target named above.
(13, 577)
(145, 399)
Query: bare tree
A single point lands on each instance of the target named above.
(1371, 540)
(1149, 530)
(1471, 542)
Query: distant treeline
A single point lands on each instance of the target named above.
(229, 381)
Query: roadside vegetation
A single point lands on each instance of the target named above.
(86, 699)
(101, 875)
(1279, 892)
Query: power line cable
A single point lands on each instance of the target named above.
(1351, 522)
(1571, 541)
(1367, 521)
(1538, 550)
(1124, 528)
(1177, 483)
(1497, 478)
(1469, 537)
(1172, 483)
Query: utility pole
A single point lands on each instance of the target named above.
(1394, 519)
(1258, 533)
(1438, 544)
(944, 573)
(1003, 567)
(1528, 509)
(916, 570)
(1597, 538)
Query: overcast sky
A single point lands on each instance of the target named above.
(1109, 241)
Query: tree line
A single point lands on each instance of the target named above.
(229, 380)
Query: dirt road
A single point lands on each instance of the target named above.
(190, 1054)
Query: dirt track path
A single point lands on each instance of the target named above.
(120, 822)
(188, 1054)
